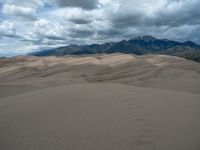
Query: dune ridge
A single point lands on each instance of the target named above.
(154, 71)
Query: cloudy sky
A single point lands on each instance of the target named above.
(30, 25)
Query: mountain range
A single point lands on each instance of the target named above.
(139, 46)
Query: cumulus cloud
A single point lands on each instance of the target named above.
(45, 32)
(44, 28)
(19, 11)
(7, 29)
(75, 15)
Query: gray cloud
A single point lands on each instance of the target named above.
(85, 4)
(81, 21)
(79, 33)
(165, 13)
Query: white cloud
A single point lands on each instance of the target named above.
(45, 32)
(45, 28)
(26, 3)
(7, 29)
(20, 11)
(76, 15)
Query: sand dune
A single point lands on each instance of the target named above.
(105, 102)
(154, 71)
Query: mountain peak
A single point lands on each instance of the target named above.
(190, 43)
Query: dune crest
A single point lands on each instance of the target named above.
(154, 71)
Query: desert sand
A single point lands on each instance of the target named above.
(99, 102)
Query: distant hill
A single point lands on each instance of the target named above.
(138, 46)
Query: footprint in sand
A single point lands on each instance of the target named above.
(123, 101)
(146, 114)
(139, 119)
(147, 130)
(129, 104)
(145, 138)
(130, 108)
(144, 141)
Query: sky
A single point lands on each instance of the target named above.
(30, 25)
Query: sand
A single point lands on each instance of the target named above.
(99, 102)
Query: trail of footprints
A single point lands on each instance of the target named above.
(144, 135)
(145, 138)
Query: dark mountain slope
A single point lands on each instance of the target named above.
(139, 46)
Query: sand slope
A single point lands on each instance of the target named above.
(100, 116)
(102, 102)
